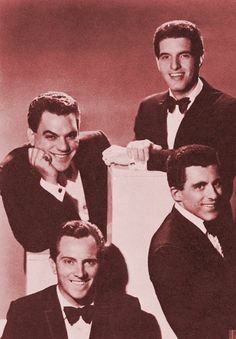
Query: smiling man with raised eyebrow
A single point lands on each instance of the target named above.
(58, 176)
(191, 260)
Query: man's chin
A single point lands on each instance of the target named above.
(61, 167)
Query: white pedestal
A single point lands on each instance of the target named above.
(38, 272)
(140, 202)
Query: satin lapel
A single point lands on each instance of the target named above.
(196, 238)
(88, 178)
(54, 317)
(102, 324)
(160, 126)
(190, 130)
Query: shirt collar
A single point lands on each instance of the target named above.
(194, 93)
(191, 217)
(63, 302)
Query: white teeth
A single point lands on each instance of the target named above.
(179, 75)
(80, 283)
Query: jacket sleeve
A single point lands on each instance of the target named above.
(191, 301)
(13, 326)
(33, 213)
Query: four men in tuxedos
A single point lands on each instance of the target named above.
(191, 266)
(79, 306)
(59, 176)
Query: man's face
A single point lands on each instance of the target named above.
(58, 136)
(202, 192)
(178, 67)
(76, 267)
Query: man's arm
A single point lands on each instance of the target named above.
(33, 213)
(14, 326)
(187, 296)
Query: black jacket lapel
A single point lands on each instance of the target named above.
(54, 317)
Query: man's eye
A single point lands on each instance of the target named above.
(199, 187)
(218, 184)
(68, 261)
(185, 56)
(73, 136)
(91, 262)
(164, 57)
(50, 137)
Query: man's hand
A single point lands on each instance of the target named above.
(42, 162)
(115, 155)
(139, 150)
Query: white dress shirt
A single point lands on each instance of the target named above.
(199, 223)
(74, 189)
(174, 119)
(79, 330)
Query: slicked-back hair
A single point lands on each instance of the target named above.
(77, 229)
(180, 29)
(187, 156)
(58, 103)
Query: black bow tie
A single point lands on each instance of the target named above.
(73, 314)
(182, 103)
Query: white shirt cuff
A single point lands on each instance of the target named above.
(57, 191)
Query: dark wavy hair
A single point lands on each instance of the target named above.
(77, 229)
(58, 103)
(186, 156)
(179, 29)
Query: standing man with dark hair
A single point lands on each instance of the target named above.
(76, 308)
(190, 267)
(190, 111)
(59, 176)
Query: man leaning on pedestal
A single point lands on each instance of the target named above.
(190, 111)
(58, 176)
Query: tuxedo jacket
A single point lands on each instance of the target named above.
(211, 120)
(33, 213)
(191, 279)
(39, 316)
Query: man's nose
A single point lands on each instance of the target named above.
(175, 63)
(212, 192)
(80, 270)
(62, 144)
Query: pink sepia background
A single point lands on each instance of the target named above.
(101, 53)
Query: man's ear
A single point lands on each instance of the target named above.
(201, 60)
(30, 136)
(158, 64)
(53, 265)
(176, 194)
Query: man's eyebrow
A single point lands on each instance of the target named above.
(47, 131)
(164, 53)
(67, 257)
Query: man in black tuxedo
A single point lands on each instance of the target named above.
(59, 176)
(82, 304)
(191, 259)
(205, 115)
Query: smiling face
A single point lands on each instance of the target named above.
(177, 65)
(201, 193)
(76, 267)
(58, 136)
